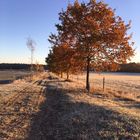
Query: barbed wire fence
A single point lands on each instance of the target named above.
(107, 83)
(94, 82)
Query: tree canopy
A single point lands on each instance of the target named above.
(95, 38)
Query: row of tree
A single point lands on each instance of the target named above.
(130, 67)
(90, 36)
(8, 66)
(35, 67)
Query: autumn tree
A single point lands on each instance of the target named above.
(97, 35)
(61, 58)
(38, 67)
(53, 60)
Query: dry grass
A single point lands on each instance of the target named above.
(126, 86)
(49, 107)
(12, 74)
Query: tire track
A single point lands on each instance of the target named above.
(17, 112)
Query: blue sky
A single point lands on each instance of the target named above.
(20, 19)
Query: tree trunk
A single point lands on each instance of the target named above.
(87, 76)
(67, 75)
(61, 74)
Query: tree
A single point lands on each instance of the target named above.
(97, 35)
(53, 59)
(31, 45)
(38, 67)
(61, 58)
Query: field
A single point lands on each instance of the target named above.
(49, 107)
(121, 84)
(7, 76)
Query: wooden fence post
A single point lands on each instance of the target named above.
(103, 83)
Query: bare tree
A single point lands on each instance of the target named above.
(31, 45)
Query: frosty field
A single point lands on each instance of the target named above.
(49, 107)
(7, 76)
(125, 84)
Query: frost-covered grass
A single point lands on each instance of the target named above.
(49, 107)
(83, 115)
(12, 74)
(119, 84)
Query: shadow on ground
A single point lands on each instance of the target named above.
(131, 103)
(61, 118)
(6, 81)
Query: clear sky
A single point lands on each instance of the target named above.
(20, 19)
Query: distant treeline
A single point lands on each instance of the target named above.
(130, 67)
(16, 66)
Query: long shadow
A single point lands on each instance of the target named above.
(6, 81)
(61, 118)
(129, 102)
(9, 81)
(44, 83)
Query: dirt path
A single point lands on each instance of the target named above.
(53, 109)
(67, 113)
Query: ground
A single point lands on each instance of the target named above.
(7, 76)
(49, 107)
